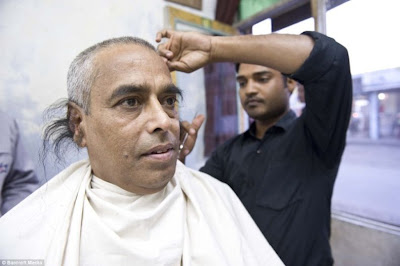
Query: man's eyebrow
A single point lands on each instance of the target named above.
(171, 88)
(239, 77)
(259, 73)
(127, 89)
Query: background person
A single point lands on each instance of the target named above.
(17, 177)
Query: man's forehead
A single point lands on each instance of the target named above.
(129, 65)
(125, 54)
(249, 69)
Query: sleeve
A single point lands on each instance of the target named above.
(21, 179)
(328, 94)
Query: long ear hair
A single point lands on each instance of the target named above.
(57, 133)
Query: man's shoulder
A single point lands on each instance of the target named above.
(62, 186)
(30, 224)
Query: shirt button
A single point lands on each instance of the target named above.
(258, 151)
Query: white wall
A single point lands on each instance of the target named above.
(39, 39)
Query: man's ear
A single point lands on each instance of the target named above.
(76, 121)
(291, 84)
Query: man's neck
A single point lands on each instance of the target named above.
(263, 125)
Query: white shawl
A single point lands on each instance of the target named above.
(195, 220)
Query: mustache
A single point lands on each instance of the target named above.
(161, 144)
(253, 99)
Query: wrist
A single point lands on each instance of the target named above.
(213, 50)
(223, 49)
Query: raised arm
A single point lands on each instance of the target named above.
(188, 51)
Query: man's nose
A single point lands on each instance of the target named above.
(158, 119)
(250, 87)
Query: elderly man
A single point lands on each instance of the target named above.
(131, 202)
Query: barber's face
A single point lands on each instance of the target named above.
(132, 130)
(263, 93)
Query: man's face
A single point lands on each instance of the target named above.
(132, 129)
(263, 92)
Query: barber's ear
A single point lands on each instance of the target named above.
(76, 124)
(291, 84)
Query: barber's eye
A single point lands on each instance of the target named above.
(241, 83)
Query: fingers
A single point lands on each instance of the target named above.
(163, 49)
(198, 121)
(166, 55)
(164, 33)
(164, 52)
(170, 66)
(191, 130)
(194, 127)
(180, 66)
(186, 127)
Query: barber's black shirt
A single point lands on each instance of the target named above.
(285, 180)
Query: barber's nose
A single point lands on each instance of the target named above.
(158, 119)
(250, 87)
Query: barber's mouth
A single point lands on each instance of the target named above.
(253, 102)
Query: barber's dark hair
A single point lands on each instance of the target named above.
(284, 77)
(237, 65)
(58, 133)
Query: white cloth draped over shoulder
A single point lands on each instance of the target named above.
(79, 219)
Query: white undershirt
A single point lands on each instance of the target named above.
(134, 229)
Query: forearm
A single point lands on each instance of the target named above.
(283, 52)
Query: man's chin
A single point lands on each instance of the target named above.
(256, 115)
(158, 179)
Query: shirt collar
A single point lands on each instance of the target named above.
(282, 124)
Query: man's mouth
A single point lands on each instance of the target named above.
(162, 152)
(253, 101)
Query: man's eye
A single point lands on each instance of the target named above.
(241, 83)
(131, 102)
(263, 79)
(170, 101)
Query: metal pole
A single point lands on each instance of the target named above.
(373, 115)
(318, 11)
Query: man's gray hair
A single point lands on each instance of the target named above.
(81, 73)
(58, 133)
